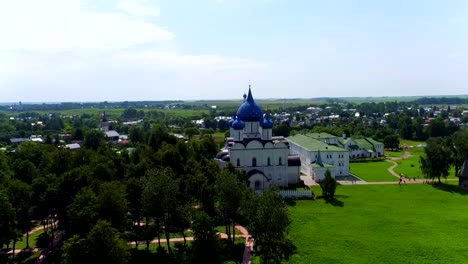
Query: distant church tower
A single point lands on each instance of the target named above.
(104, 122)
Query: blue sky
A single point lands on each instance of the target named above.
(84, 50)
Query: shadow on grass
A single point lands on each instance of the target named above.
(334, 201)
(449, 188)
(290, 202)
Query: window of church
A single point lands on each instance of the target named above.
(238, 162)
(254, 162)
(280, 161)
(268, 161)
(257, 185)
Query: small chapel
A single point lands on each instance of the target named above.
(253, 148)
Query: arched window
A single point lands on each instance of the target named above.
(280, 161)
(268, 161)
(254, 162)
(257, 185)
(238, 162)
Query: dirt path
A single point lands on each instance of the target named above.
(392, 160)
(248, 245)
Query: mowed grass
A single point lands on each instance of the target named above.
(394, 154)
(32, 240)
(372, 171)
(414, 223)
(410, 168)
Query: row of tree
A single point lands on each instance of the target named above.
(98, 199)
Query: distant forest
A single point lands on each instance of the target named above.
(200, 105)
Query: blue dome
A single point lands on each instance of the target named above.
(266, 122)
(238, 124)
(249, 110)
(232, 121)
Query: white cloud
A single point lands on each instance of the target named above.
(51, 46)
(50, 25)
(138, 8)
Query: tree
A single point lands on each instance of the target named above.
(229, 193)
(93, 139)
(460, 149)
(74, 251)
(78, 134)
(268, 219)
(136, 134)
(328, 186)
(83, 211)
(106, 245)
(192, 131)
(405, 127)
(282, 129)
(7, 220)
(102, 245)
(391, 142)
(437, 128)
(436, 163)
(113, 204)
(133, 195)
(205, 244)
(160, 191)
(20, 198)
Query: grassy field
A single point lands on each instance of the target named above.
(382, 224)
(410, 168)
(372, 171)
(32, 240)
(117, 112)
(394, 154)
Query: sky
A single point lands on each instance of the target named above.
(129, 50)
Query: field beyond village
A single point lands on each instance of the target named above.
(415, 223)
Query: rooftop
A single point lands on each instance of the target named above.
(312, 144)
(320, 135)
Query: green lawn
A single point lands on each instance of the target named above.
(32, 240)
(382, 224)
(372, 171)
(410, 168)
(395, 154)
(222, 229)
(414, 150)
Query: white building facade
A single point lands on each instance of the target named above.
(317, 156)
(252, 147)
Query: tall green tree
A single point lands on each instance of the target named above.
(391, 142)
(269, 220)
(405, 127)
(94, 139)
(437, 160)
(328, 186)
(229, 193)
(160, 192)
(7, 220)
(205, 244)
(103, 244)
(460, 149)
(113, 204)
(83, 212)
(20, 198)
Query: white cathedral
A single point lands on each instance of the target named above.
(252, 147)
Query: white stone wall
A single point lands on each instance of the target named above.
(340, 159)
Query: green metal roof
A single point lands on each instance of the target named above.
(320, 135)
(364, 144)
(311, 144)
(374, 142)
